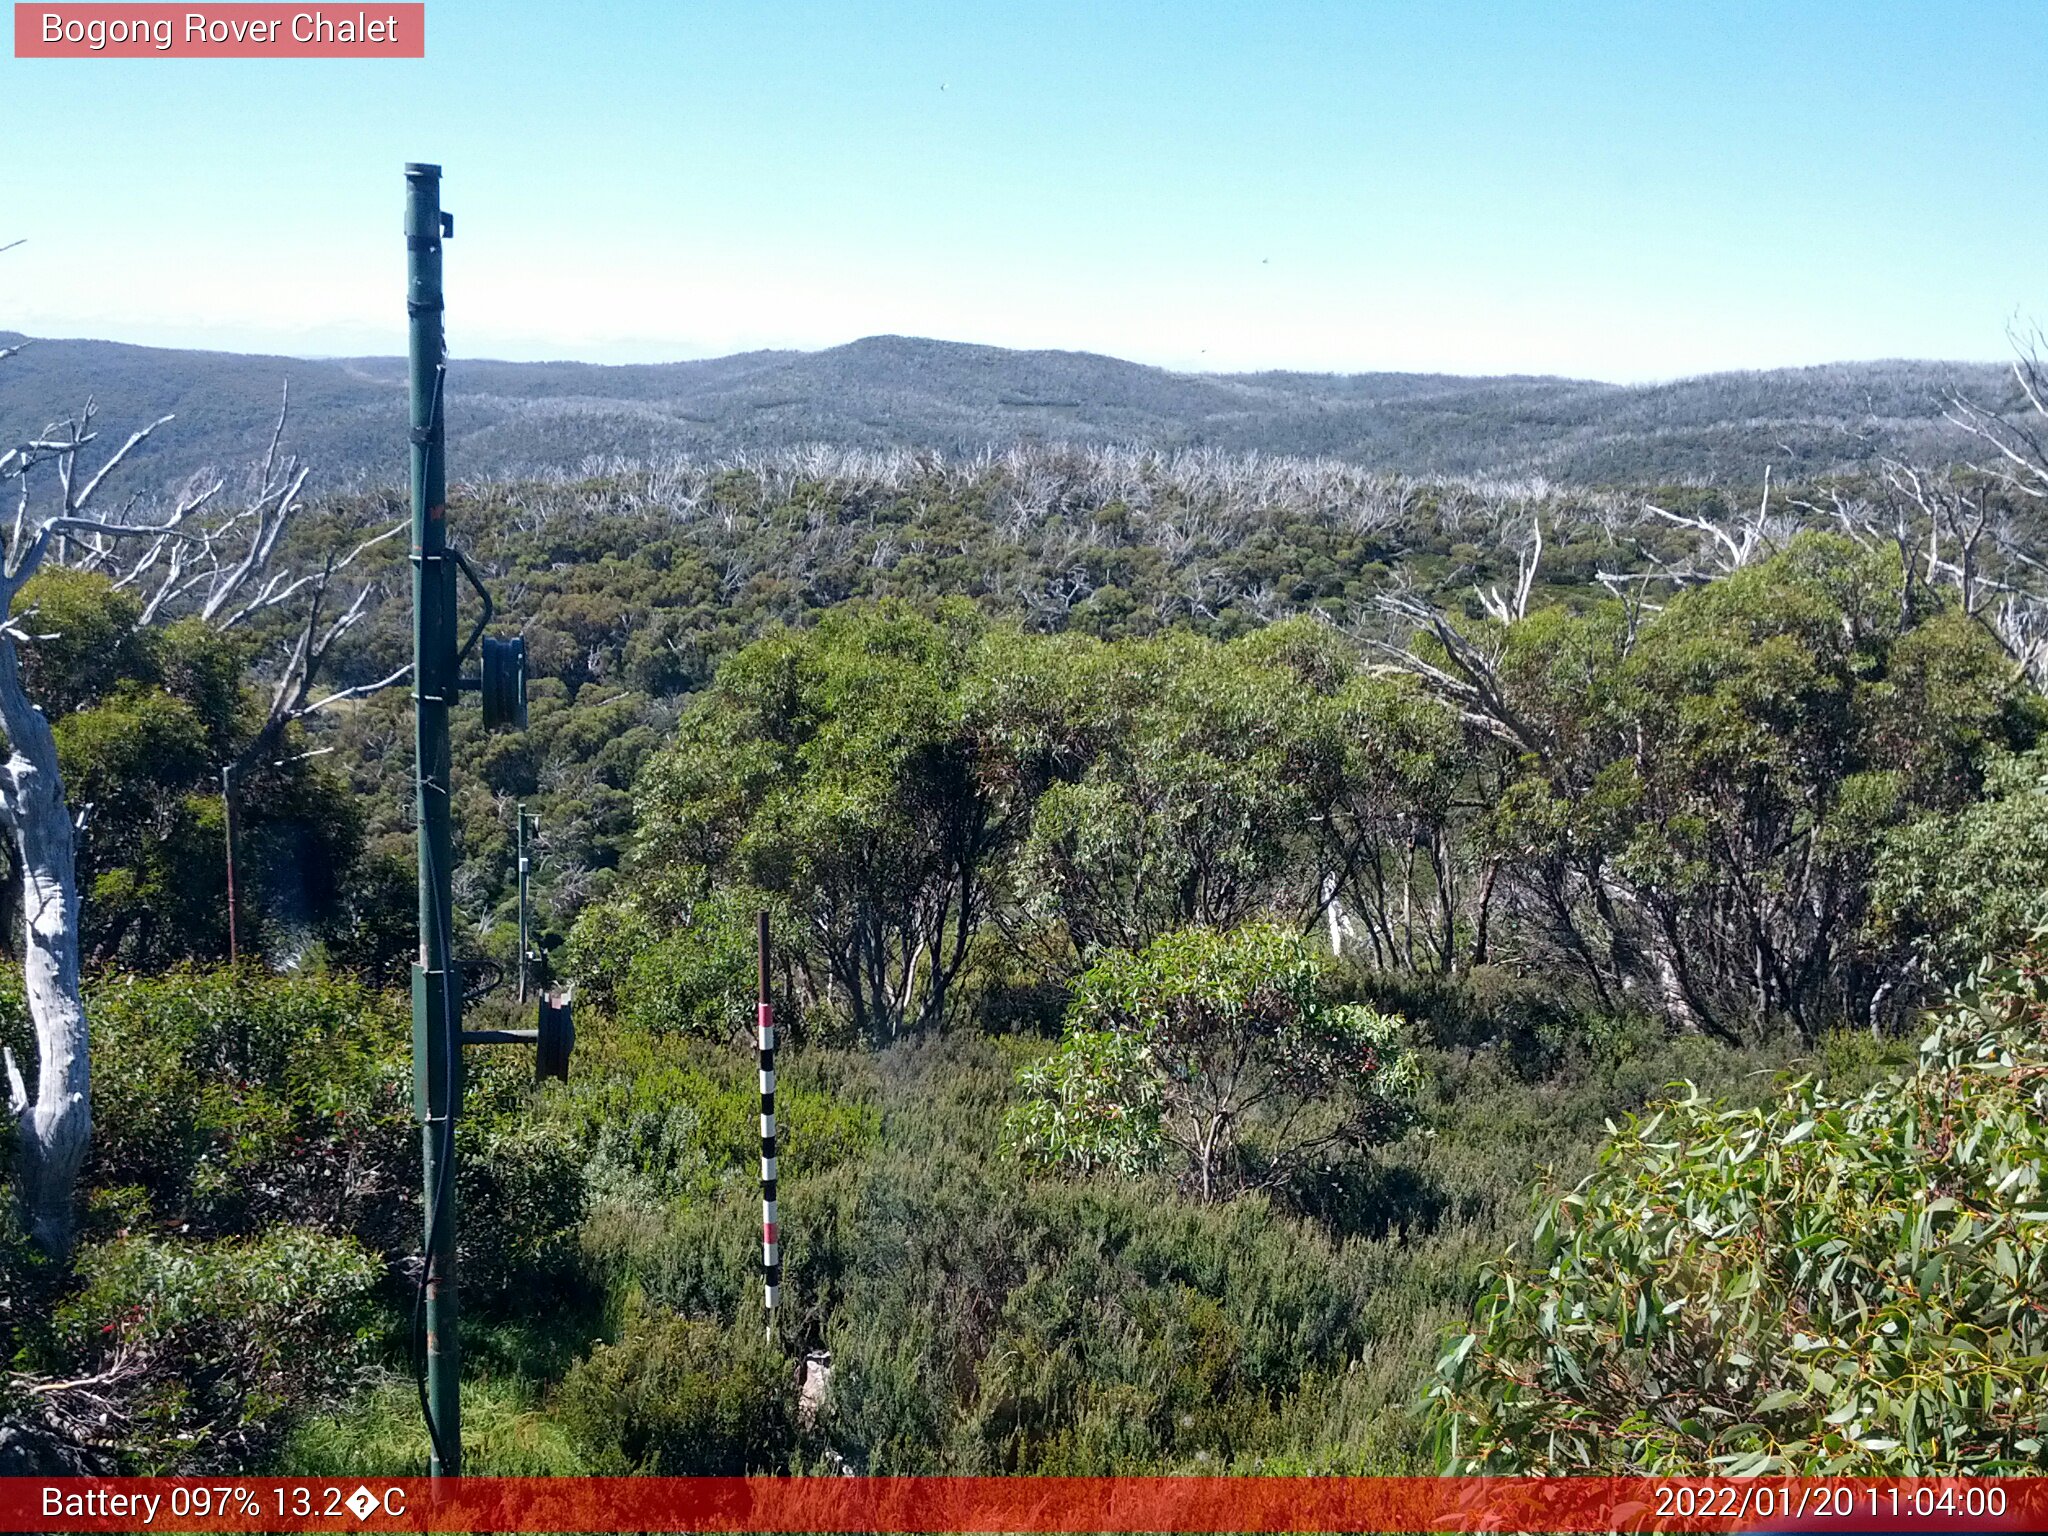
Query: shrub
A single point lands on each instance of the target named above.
(1222, 1051)
(212, 1348)
(227, 1102)
(697, 980)
(1828, 1285)
(520, 1194)
(982, 1320)
(22, 1274)
(682, 1397)
(1484, 1008)
(672, 1119)
(1047, 1327)
(601, 948)
(1096, 1102)
(234, 1100)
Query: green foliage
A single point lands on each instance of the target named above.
(661, 1120)
(1698, 809)
(23, 1282)
(1223, 1047)
(145, 719)
(1084, 1330)
(681, 1397)
(632, 589)
(1961, 884)
(507, 1431)
(981, 1319)
(520, 1189)
(863, 776)
(1095, 1102)
(1829, 1284)
(1389, 775)
(698, 979)
(984, 1321)
(248, 1125)
(374, 931)
(1680, 812)
(234, 1100)
(1188, 803)
(230, 1338)
(1172, 781)
(1534, 1026)
(601, 948)
(86, 640)
(953, 811)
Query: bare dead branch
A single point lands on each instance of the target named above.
(359, 691)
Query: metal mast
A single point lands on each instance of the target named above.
(436, 992)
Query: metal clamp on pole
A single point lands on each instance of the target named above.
(552, 1040)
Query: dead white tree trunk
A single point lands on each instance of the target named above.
(53, 1124)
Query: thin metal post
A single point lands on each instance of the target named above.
(436, 994)
(771, 1236)
(227, 802)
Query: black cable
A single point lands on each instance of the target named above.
(436, 1203)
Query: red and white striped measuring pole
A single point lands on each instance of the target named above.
(771, 1236)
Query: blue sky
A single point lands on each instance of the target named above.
(1611, 191)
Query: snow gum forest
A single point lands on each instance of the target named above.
(1286, 963)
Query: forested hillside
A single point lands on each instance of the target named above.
(1211, 893)
(900, 392)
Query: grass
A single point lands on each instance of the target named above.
(506, 1432)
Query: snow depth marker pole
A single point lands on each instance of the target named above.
(524, 947)
(771, 1237)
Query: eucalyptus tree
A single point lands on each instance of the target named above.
(866, 777)
(1221, 1054)
(1699, 795)
(203, 554)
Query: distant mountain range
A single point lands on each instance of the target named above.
(895, 391)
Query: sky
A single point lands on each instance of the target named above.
(1622, 192)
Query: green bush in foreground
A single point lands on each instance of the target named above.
(214, 1346)
(682, 1397)
(1829, 1285)
(230, 1100)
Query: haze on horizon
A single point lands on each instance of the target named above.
(1613, 193)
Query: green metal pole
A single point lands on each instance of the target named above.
(436, 995)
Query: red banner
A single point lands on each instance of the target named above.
(236, 31)
(1020, 1504)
